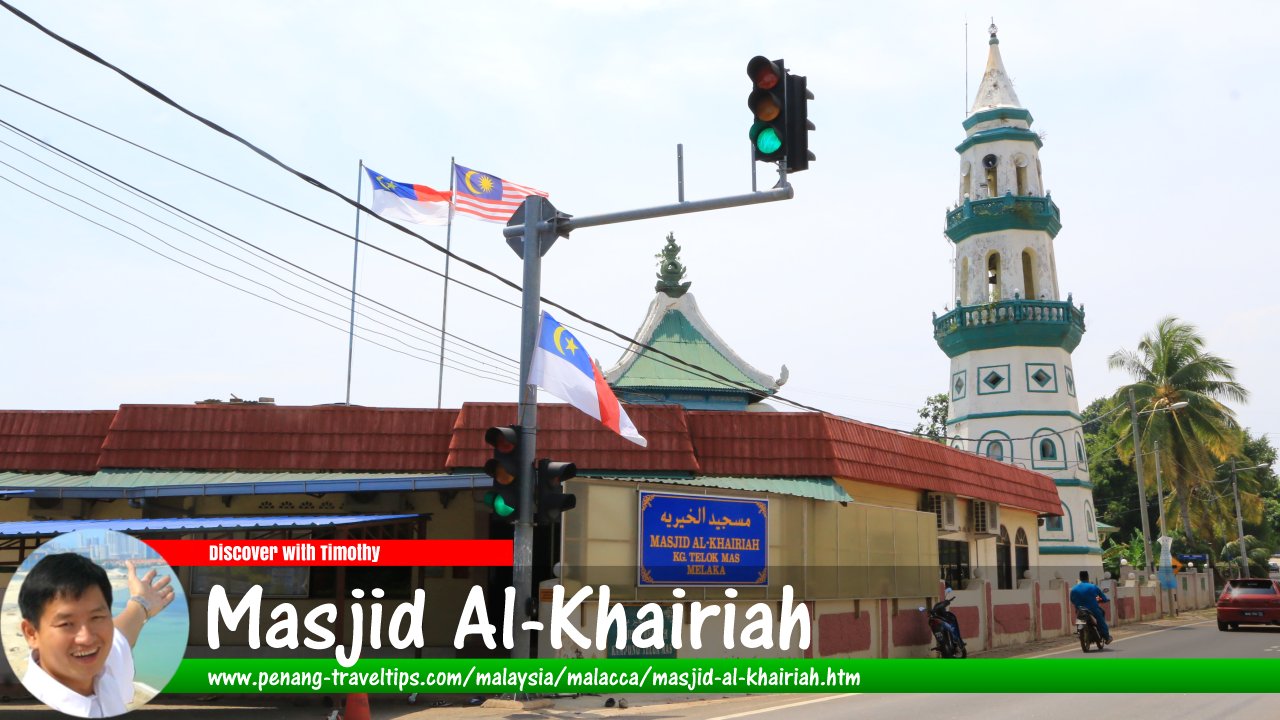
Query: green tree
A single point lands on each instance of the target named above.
(1258, 557)
(933, 417)
(1171, 366)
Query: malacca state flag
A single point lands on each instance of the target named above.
(406, 201)
(562, 367)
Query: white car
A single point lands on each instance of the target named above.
(1273, 568)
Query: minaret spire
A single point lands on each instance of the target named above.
(996, 89)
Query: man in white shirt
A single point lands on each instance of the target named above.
(81, 658)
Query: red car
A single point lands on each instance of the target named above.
(1249, 601)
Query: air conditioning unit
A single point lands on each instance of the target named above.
(984, 517)
(944, 507)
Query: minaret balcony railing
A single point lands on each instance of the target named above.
(1010, 323)
(1008, 212)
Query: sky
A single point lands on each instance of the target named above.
(1158, 122)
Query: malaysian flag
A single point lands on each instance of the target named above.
(487, 197)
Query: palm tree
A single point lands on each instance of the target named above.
(1171, 366)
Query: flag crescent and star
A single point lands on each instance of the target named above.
(562, 367)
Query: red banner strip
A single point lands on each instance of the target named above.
(309, 553)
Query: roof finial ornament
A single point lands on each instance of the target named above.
(993, 30)
(670, 271)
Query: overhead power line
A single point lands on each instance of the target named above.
(470, 371)
(219, 233)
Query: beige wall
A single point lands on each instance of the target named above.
(880, 547)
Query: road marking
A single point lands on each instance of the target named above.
(1129, 637)
(782, 707)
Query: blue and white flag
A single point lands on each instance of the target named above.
(562, 367)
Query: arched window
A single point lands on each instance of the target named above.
(1028, 275)
(1048, 450)
(1004, 561)
(964, 280)
(1079, 451)
(1022, 553)
(995, 450)
(989, 163)
(966, 182)
(993, 276)
(1020, 168)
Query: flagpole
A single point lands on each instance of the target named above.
(355, 261)
(444, 305)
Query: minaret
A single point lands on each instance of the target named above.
(1010, 335)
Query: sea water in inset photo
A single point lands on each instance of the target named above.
(163, 639)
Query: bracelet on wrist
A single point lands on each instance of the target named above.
(144, 604)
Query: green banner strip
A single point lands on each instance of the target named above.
(1052, 675)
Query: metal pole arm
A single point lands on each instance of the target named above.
(565, 225)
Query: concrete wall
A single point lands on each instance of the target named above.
(989, 618)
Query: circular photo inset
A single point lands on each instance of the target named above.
(94, 623)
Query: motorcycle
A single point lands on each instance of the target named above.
(1087, 629)
(946, 630)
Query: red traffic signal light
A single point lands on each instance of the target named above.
(767, 103)
(504, 468)
(779, 104)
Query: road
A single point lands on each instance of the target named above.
(1196, 640)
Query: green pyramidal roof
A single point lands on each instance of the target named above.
(676, 327)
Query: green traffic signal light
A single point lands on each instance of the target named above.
(767, 103)
(494, 500)
(765, 138)
(504, 468)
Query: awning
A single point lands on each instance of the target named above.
(140, 526)
(127, 484)
(817, 488)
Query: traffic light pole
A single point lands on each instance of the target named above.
(539, 215)
(533, 229)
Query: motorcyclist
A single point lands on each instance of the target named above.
(1086, 595)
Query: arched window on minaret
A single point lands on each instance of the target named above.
(966, 182)
(964, 280)
(989, 164)
(1020, 169)
(1039, 177)
(993, 277)
(1028, 274)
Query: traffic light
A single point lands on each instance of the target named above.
(798, 124)
(779, 103)
(552, 499)
(768, 107)
(504, 468)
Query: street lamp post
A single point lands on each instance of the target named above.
(1167, 594)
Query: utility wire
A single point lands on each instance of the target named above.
(325, 188)
(179, 212)
(228, 284)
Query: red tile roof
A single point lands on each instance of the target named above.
(812, 444)
(269, 438)
(566, 434)
(35, 441)
(278, 439)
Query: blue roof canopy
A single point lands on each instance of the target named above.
(27, 528)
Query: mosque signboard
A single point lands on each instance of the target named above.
(703, 540)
